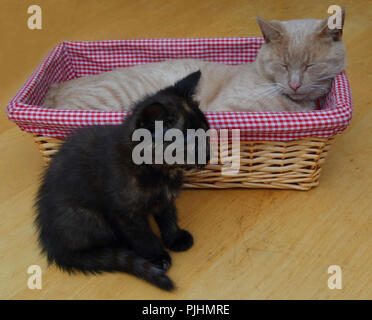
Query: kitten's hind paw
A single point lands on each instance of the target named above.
(163, 261)
(181, 240)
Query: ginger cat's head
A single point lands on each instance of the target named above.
(301, 56)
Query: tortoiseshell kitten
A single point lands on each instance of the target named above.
(94, 202)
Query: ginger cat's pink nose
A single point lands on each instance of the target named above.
(295, 85)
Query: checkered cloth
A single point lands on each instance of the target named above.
(70, 60)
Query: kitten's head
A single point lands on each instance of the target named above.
(173, 108)
(301, 56)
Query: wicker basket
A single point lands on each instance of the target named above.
(278, 150)
(264, 164)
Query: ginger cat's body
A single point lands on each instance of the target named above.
(294, 67)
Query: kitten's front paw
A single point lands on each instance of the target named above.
(164, 261)
(179, 241)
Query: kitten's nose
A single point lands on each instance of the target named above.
(295, 85)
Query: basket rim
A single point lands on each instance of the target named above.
(256, 125)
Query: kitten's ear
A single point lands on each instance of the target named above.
(186, 86)
(271, 30)
(149, 114)
(335, 34)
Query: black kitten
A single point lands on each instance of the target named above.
(94, 202)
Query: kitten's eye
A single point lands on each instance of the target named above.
(308, 66)
(284, 66)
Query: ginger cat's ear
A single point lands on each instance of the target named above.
(335, 34)
(271, 30)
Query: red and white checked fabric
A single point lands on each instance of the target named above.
(70, 60)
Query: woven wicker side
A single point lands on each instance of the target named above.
(263, 164)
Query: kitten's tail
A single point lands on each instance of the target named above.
(111, 260)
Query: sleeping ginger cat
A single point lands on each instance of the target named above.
(294, 67)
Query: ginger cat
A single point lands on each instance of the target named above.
(295, 66)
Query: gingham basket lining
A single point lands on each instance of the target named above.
(69, 60)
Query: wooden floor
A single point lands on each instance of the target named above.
(249, 244)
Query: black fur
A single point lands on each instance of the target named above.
(94, 202)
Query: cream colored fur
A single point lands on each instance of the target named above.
(296, 52)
